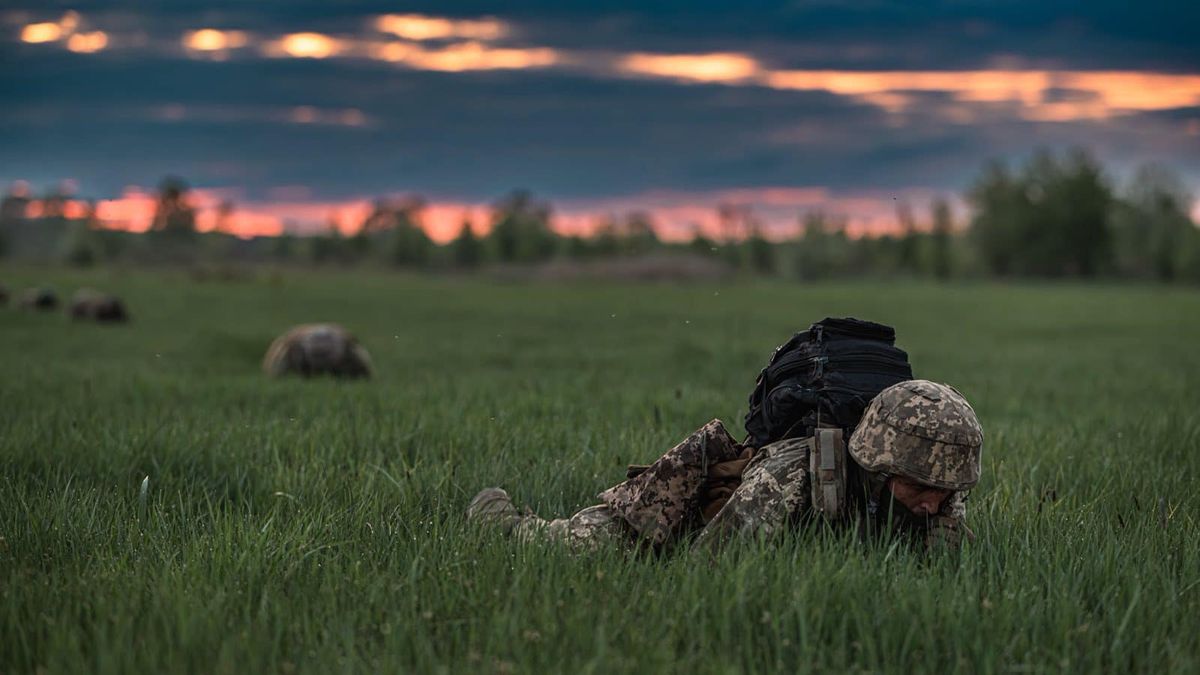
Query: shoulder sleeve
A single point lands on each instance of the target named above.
(658, 501)
(774, 490)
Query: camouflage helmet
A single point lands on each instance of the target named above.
(317, 349)
(920, 430)
(91, 304)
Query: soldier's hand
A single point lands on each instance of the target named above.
(947, 533)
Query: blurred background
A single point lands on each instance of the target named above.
(805, 140)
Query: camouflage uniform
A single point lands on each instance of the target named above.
(317, 349)
(918, 429)
(592, 528)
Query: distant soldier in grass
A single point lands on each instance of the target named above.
(91, 305)
(38, 299)
(317, 349)
(3, 294)
(912, 457)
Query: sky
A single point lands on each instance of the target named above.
(302, 112)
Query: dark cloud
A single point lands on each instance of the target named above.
(128, 116)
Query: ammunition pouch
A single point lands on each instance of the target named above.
(828, 473)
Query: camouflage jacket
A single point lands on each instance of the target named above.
(712, 481)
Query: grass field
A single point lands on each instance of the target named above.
(294, 526)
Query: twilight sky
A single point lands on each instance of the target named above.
(299, 111)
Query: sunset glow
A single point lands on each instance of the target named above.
(421, 27)
(1105, 93)
(1100, 94)
(41, 32)
(697, 67)
(309, 46)
(672, 111)
(87, 43)
(677, 215)
(476, 56)
(211, 40)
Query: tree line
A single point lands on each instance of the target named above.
(1054, 216)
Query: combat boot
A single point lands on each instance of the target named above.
(493, 506)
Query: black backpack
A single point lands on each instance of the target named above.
(824, 376)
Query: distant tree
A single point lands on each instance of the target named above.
(283, 247)
(1076, 202)
(578, 247)
(394, 226)
(174, 213)
(702, 244)
(381, 218)
(467, 248)
(638, 234)
(606, 238)
(408, 245)
(521, 228)
(735, 226)
(325, 247)
(939, 239)
(389, 214)
(1050, 220)
(760, 251)
(733, 221)
(1189, 257)
(1152, 225)
(1000, 205)
(908, 238)
(823, 249)
(91, 215)
(54, 204)
(81, 245)
(14, 208)
(224, 217)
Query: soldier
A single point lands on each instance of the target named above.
(317, 349)
(93, 305)
(915, 453)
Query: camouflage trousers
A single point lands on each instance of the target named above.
(588, 530)
(773, 492)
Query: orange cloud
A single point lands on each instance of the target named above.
(471, 56)
(719, 67)
(41, 32)
(53, 31)
(986, 85)
(1137, 91)
(306, 46)
(421, 27)
(1104, 93)
(213, 40)
(87, 43)
(1029, 94)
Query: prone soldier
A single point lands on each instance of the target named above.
(90, 304)
(907, 467)
(38, 299)
(317, 349)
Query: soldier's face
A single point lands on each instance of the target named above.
(922, 500)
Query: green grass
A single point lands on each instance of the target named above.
(317, 526)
